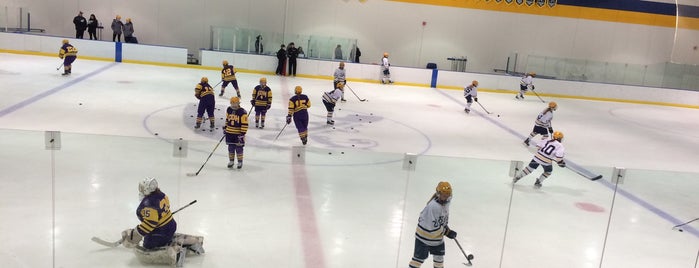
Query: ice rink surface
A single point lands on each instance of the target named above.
(345, 200)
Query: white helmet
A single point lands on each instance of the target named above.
(147, 186)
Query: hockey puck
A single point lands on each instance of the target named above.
(330, 153)
(352, 145)
(333, 127)
(191, 116)
(342, 152)
(298, 155)
(360, 119)
(351, 128)
(80, 103)
(356, 115)
(156, 134)
(369, 122)
(498, 115)
(371, 114)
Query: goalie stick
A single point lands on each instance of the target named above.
(118, 242)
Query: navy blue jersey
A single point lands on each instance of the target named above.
(154, 214)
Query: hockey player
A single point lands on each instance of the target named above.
(432, 227)
(262, 100)
(157, 229)
(236, 127)
(543, 123)
(207, 102)
(471, 94)
(205, 94)
(228, 76)
(549, 151)
(524, 84)
(298, 109)
(68, 53)
(384, 69)
(339, 76)
(329, 100)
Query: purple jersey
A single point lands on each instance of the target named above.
(157, 225)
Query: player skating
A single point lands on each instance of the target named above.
(549, 151)
(432, 227)
(68, 53)
(542, 125)
(339, 76)
(161, 245)
(385, 71)
(524, 84)
(205, 94)
(330, 98)
(471, 94)
(262, 101)
(235, 130)
(298, 110)
(228, 76)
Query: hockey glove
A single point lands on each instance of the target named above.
(551, 130)
(268, 106)
(451, 234)
(252, 102)
(131, 238)
(562, 163)
(224, 130)
(288, 119)
(475, 99)
(532, 87)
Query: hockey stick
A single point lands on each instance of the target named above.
(537, 95)
(469, 257)
(677, 227)
(280, 132)
(584, 175)
(118, 242)
(355, 94)
(483, 108)
(59, 67)
(207, 159)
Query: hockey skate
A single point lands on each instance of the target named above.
(526, 142)
(240, 165)
(516, 179)
(343, 100)
(257, 124)
(537, 184)
(262, 124)
(304, 140)
(198, 125)
(230, 164)
(330, 122)
(212, 126)
(467, 110)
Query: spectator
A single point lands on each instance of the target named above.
(281, 56)
(354, 54)
(128, 32)
(301, 53)
(338, 52)
(92, 24)
(80, 25)
(117, 27)
(259, 47)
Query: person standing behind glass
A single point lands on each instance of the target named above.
(281, 56)
(117, 27)
(128, 31)
(338, 52)
(354, 54)
(293, 53)
(80, 25)
(92, 24)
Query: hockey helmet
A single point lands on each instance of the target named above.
(385, 54)
(557, 135)
(205, 79)
(65, 41)
(533, 74)
(298, 90)
(235, 100)
(475, 82)
(553, 105)
(147, 186)
(263, 80)
(444, 187)
(118, 17)
(225, 63)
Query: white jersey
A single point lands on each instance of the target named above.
(384, 63)
(527, 80)
(544, 118)
(471, 90)
(339, 75)
(549, 150)
(432, 223)
(332, 96)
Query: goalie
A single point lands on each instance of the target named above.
(157, 230)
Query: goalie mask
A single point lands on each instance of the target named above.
(146, 187)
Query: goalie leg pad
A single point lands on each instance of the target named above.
(192, 242)
(172, 255)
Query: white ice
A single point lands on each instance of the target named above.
(346, 199)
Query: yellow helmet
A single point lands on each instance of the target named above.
(557, 135)
(205, 79)
(263, 80)
(65, 41)
(444, 188)
(553, 105)
(533, 74)
(385, 54)
(475, 83)
(225, 63)
(235, 100)
(298, 90)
